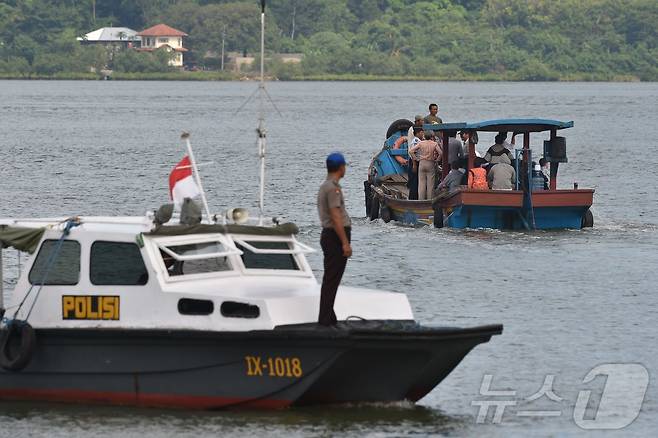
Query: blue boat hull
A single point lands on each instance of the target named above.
(505, 218)
(496, 209)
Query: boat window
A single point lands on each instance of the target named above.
(275, 255)
(195, 258)
(233, 309)
(117, 263)
(189, 306)
(56, 267)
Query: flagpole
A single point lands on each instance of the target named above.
(195, 171)
(261, 117)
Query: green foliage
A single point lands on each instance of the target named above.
(237, 22)
(284, 71)
(441, 39)
(131, 61)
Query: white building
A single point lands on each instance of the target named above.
(163, 36)
(112, 36)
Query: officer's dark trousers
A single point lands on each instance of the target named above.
(334, 267)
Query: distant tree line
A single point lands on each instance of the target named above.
(509, 39)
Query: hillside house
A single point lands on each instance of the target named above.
(163, 36)
(112, 36)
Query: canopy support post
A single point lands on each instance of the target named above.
(445, 165)
(471, 151)
(527, 164)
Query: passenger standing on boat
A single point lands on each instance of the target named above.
(429, 154)
(412, 165)
(335, 237)
(498, 153)
(419, 120)
(432, 117)
(502, 176)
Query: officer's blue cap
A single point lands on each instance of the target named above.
(335, 159)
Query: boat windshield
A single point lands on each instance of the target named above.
(204, 257)
(260, 255)
(187, 256)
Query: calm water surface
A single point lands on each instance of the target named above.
(569, 300)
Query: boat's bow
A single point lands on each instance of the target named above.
(386, 360)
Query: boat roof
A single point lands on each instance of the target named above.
(498, 125)
(25, 234)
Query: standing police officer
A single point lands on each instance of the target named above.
(335, 238)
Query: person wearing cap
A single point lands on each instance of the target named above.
(432, 117)
(335, 237)
(419, 120)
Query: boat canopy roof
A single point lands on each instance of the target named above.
(20, 238)
(514, 125)
(25, 234)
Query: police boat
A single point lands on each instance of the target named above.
(166, 312)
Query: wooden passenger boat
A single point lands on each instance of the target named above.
(387, 194)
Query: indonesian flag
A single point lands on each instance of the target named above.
(181, 182)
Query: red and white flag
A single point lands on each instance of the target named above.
(181, 182)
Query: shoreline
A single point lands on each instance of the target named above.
(232, 77)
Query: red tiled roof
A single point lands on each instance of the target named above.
(161, 30)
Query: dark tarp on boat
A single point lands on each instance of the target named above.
(20, 238)
(178, 230)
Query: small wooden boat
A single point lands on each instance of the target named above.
(525, 207)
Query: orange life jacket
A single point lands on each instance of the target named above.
(477, 179)
(397, 145)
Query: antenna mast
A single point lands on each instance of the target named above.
(261, 115)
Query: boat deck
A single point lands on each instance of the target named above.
(395, 185)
